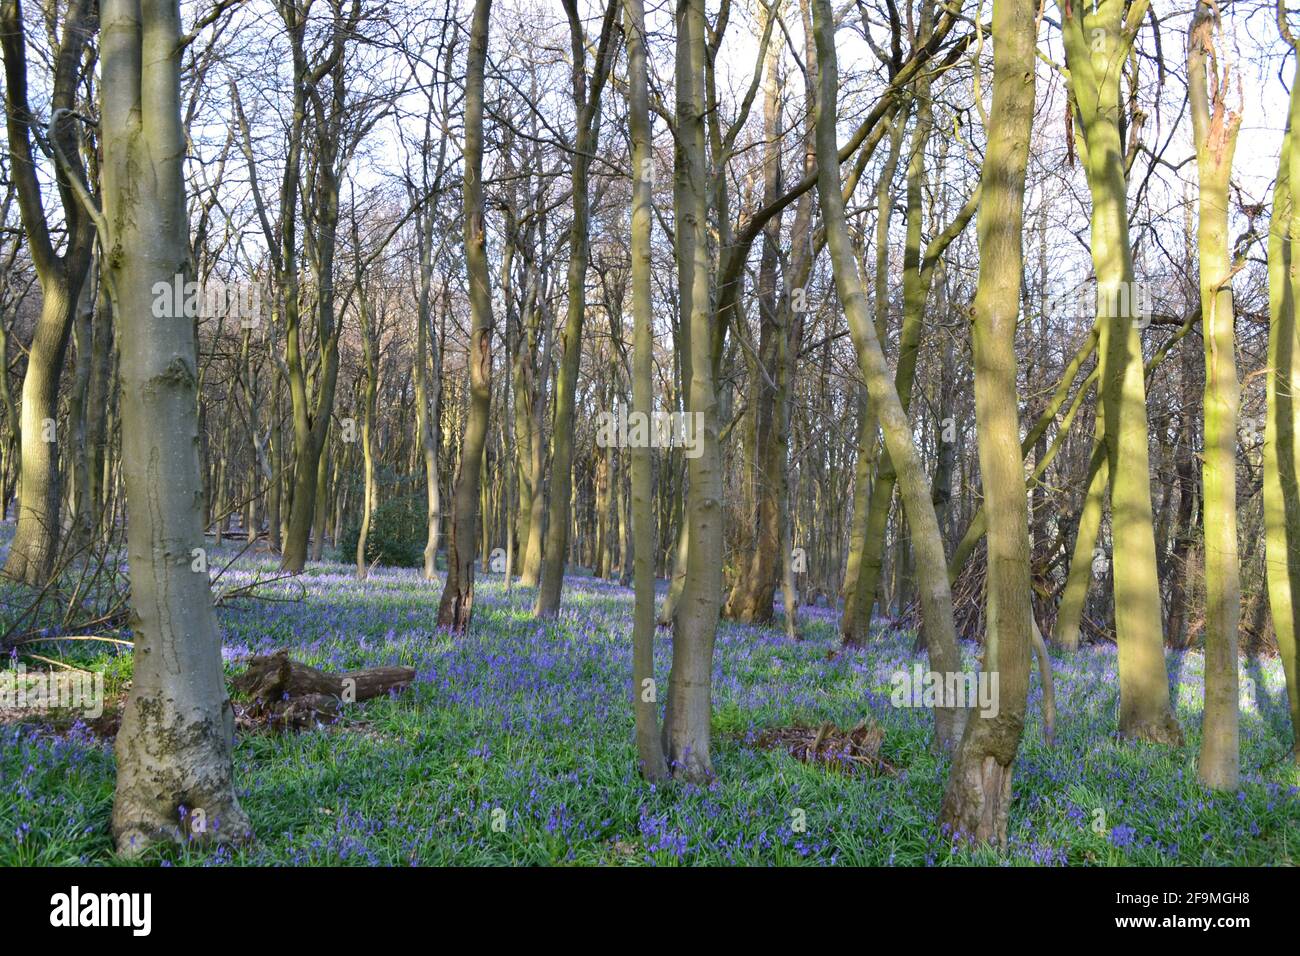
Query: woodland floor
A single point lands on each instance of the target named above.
(535, 720)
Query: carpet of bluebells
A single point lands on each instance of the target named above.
(514, 746)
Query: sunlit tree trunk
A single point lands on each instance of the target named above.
(532, 567)
(174, 772)
(932, 568)
(1097, 42)
(1215, 129)
(978, 797)
(369, 412)
(1282, 426)
(34, 549)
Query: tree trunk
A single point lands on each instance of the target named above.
(1281, 427)
(587, 103)
(650, 754)
(423, 414)
(932, 566)
(369, 411)
(1097, 42)
(34, 549)
(174, 745)
(457, 603)
(688, 717)
(872, 502)
(750, 600)
(1215, 131)
(978, 797)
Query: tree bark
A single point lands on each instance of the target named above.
(1282, 425)
(932, 567)
(650, 754)
(457, 603)
(978, 797)
(174, 767)
(1097, 42)
(1215, 129)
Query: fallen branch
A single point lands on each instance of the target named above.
(830, 746)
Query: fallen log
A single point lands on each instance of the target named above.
(286, 693)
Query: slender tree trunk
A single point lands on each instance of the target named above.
(275, 493)
(751, 596)
(978, 797)
(871, 502)
(1282, 425)
(677, 578)
(587, 103)
(423, 415)
(932, 566)
(1097, 42)
(1178, 568)
(457, 603)
(1215, 131)
(369, 411)
(35, 546)
(82, 521)
(650, 754)
(688, 717)
(856, 618)
(322, 501)
(1082, 564)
